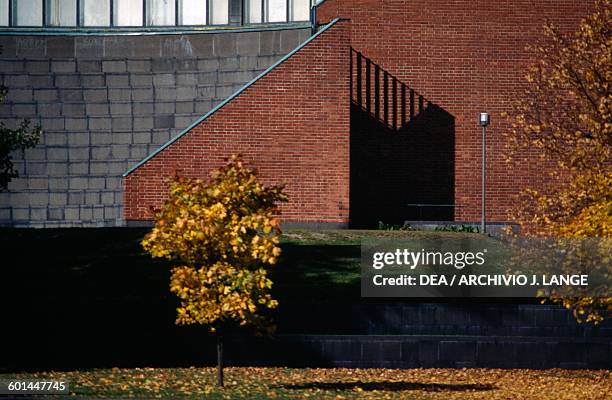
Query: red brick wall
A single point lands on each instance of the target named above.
(467, 56)
(292, 125)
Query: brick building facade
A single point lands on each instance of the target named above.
(291, 123)
(466, 56)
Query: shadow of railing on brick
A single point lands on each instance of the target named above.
(402, 150)
(383, 96)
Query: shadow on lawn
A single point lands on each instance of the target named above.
(392, 386)
(91, 298)
(317, 273)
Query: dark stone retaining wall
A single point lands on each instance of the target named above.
(112, 331)
(106, 102)
(404, 335)
(456, 318)
(420, 351)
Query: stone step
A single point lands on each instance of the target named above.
(397, 318)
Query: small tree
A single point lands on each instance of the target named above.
(566, 115)
(224, 233)
(14, 139)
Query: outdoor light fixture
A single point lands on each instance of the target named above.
(484, 121)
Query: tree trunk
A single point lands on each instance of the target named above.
(219, 360)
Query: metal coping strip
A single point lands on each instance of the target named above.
(145, 31)
(233, 96)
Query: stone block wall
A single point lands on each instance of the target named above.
(106, 102)
(416, 351)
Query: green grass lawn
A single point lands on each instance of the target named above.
(82, 262)
(329, 261)
(324, 384)
(354, 236)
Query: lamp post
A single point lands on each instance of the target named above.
(484, 121)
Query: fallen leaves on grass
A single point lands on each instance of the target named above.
(338, 383)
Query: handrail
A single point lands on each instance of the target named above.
(432, 205)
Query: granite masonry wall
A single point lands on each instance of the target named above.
(106, 102)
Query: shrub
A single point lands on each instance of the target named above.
(14, 139)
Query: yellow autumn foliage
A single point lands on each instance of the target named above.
(565, 115)
(224, 234)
